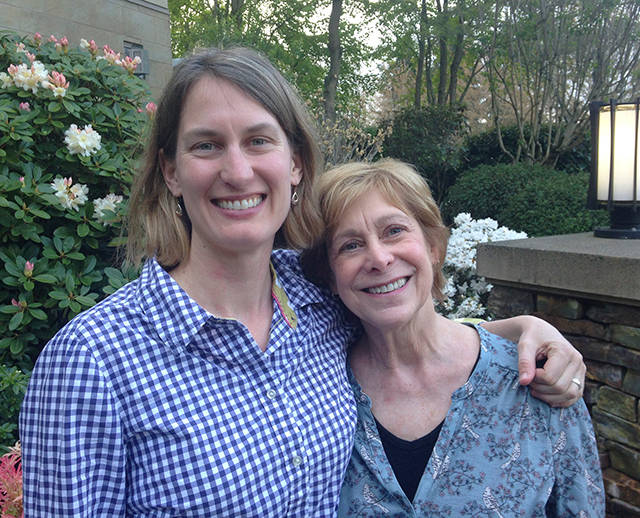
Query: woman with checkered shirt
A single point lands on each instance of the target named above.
(215, 383)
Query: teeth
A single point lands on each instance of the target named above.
(388, 287)
(247, 203)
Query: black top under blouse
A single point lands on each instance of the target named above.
(408, 459)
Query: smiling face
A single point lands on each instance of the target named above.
(233, 167)
(381, 263)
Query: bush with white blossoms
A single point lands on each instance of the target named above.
(466, 293)
(71, 131)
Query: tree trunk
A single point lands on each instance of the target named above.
(421, 55)
(335, 56)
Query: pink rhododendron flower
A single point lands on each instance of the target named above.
(11, 484)
(57, 83)
(53, 39)
(31, 57)
(37, 37)
(28, 269)
(14, 302)
(130, 64)
(151, 108)
(24, 107)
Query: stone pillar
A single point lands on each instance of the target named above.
(589, 288)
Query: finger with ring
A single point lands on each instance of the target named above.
(577, 382)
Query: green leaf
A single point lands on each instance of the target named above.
(16, 347)
(46, 278)
(15, 321)
(76, 256)
(54, 107)
(83, 229)
(9, 309)
(58, 295)
(85, 300)
(38, 314)
(12, 269)
(28, 285)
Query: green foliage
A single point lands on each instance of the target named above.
(529, 198)
(13, 385)
(55, 244)
(430, 139)
(292, 33)
(484, 149)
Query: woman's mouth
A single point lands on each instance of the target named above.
(244, 204)
(386, 288)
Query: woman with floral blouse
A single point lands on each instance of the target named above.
(444, 428)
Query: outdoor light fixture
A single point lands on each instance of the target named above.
(614, 167)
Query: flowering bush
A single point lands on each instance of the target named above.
(72, 121)
(11, 484)
(466, 293)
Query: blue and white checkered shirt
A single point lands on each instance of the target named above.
(147, 405)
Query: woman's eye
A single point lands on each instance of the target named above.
(348, 247)
(393, 231)
(204, 146)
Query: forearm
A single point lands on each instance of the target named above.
(510, 328)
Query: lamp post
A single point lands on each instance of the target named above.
(614, 166)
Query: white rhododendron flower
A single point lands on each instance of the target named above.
(69, 195)
(5, 80)
(109, 202)
(83, 142)
(465, 293)
(28, 78)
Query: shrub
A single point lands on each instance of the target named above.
(530, 198)
(484, 149)
(13, 385)
(467, 293)
(429, 138)
(552, 205)
(71, 125)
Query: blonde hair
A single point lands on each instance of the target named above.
(399, 183)
(154, 228)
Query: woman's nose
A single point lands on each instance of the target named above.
(380, 257)
(236, 167)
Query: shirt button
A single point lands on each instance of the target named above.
(271, 394)
(296, 460)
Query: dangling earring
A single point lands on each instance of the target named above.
(179, 211)
(295, 198)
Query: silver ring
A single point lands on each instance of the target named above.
(577, 382)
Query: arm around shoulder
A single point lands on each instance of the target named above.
(72, 448)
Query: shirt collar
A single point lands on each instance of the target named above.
(176, 317)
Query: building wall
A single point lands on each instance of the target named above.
(110, 22)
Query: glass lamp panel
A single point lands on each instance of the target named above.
(625, 136)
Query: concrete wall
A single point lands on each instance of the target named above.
(588, 288)
(110, 22)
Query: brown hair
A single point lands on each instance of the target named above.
(154, 228)
(399, 183)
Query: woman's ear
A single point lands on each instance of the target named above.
(296, 169)
(168, 168)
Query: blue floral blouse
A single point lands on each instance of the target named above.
(500, 453)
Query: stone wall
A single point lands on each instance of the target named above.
(589, 289)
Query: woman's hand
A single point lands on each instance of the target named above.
(560, 380)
